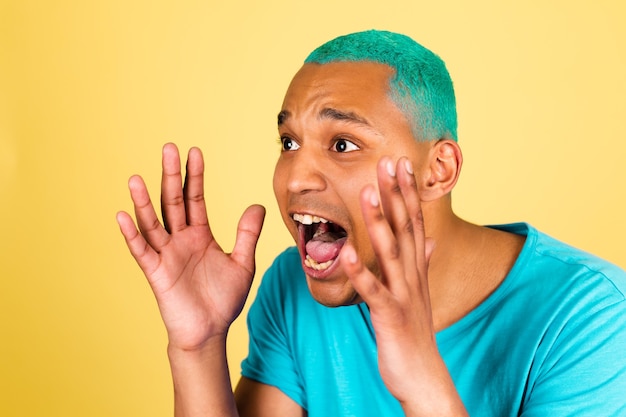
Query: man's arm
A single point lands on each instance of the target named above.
(199, 288)
(201, 393)
(259, 400)
(201, 380)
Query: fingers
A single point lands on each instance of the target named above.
(366, 284)
(194, 189)
(400, 204)
(391, 230)
(147, 220)
(416, 231)
(172, 201)
(385, 245)
(179, 207)
(248, 232)
(144, 254)
(396, 228)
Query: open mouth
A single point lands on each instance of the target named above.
(320, 239)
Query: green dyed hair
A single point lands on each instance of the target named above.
(421, 86)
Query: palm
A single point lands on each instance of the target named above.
(200, 289)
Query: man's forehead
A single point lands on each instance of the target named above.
(337, 90)
(311, 74)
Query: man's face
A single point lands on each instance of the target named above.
(336, 122)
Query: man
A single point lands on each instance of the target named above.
(436, 316)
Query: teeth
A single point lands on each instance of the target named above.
(308, 219)
(312, 263)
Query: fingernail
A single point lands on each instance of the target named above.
(391, 169)
(374, 199)
(351, 255)
(408, 166)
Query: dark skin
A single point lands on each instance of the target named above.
(387, 191)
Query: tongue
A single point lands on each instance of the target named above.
(324, 247)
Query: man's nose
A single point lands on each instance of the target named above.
(306, 174)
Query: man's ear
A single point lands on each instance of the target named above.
(442, 170)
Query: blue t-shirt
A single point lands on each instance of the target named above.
(549, 341)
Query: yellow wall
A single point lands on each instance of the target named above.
(90, 90)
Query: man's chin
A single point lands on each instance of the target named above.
(333, 294)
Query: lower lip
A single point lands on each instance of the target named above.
(324, 274)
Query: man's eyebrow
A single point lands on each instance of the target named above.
(330, 113)
(283, 116)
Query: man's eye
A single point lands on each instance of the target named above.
(288, 144)
(343, 145)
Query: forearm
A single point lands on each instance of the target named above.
(201, 381)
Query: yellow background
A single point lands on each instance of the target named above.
(90, 90)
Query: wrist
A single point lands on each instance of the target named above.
(214, 346)
(441, 409)
(438, 395)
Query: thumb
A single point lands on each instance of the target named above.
(248, 232)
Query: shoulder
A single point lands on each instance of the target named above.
(554, 284)
(555, 264)
(584, 269)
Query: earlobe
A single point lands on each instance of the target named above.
(442, 173)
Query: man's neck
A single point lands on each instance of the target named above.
(468, 264)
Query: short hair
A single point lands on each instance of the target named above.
(421, 86)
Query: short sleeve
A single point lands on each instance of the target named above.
(584, 375)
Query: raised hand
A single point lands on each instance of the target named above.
(399, 300)
(199, 288)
